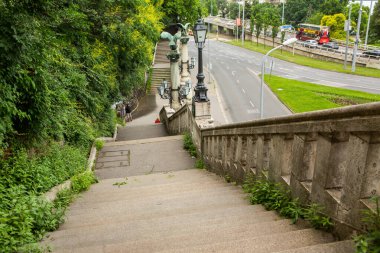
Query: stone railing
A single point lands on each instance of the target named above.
(180, 122)
(329, 157)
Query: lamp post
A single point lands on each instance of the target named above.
(285, 43)
(353, 68)
(347, 27)
(200, 31)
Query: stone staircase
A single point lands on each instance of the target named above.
(151, 199)
(161, 66)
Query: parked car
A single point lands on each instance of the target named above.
(332, 45)
(374, 52)
(310, 43)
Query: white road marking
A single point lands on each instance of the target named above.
(233, 72)
(254, 111)
(251, 104)
(242, 90)
(237, 81)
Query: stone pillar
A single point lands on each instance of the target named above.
(173, 56)
(220, 29)
(185, 74)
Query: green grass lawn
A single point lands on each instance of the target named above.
(304, 97)
(306, 61)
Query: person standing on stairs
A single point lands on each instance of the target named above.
(128, 112)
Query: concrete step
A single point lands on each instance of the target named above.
(334, 247)
(172, 218)
(156, 206)
(208, 214)
(180, 237)
(178, 177)
(162, 194)
(262, 244)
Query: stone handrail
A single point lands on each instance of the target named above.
(180, 122)
(329, 157)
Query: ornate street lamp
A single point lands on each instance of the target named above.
(200, 31)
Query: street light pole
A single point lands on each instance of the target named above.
(369, 21)
(242, 34)
(237, 25)
(286, 43)
(357, 38)
(283, 11)
(200, 31)
(347, 36)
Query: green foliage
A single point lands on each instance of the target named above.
(314, 215)
(189, 145)
(38, 173)
(355, 17)
(62, 65)
(370, 241)
(200, 164)
(336, 24)
(315, 18)
(374, 26)
(99, 144)
(179, 11)
(83, 181)
(25, 216)
(274, 197)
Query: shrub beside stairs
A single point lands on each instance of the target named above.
(151, 199)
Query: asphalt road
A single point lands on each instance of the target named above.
(236, 72)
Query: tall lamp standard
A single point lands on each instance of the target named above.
(200, 31)
(285, 43)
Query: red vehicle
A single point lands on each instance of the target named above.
(313, 32)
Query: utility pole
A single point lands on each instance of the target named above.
(369, 20)
(348, 25)
(238, 24)
(357, 38)
(243, 35)
(283, 12)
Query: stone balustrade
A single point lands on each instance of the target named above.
(329, 157)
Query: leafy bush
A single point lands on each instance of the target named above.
(274, 197)
(189, 145)
(82, 182)
(39, 173)
(25, 216)
(99, 144)
(370, 241)
(200, 164)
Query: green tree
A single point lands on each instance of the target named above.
(355, 16)
(336, 24)
(179, 11)
(331, 7)
(375, 24)
(298, 11)
(315, 18)
(207, 5)
(257, 20)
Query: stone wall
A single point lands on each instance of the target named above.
(330, 157)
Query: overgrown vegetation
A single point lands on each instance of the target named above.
(25, 215)
(312, 97)
(200, 164)
(370, 242)
(99, 144)
(274, 197)
(189, 145)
